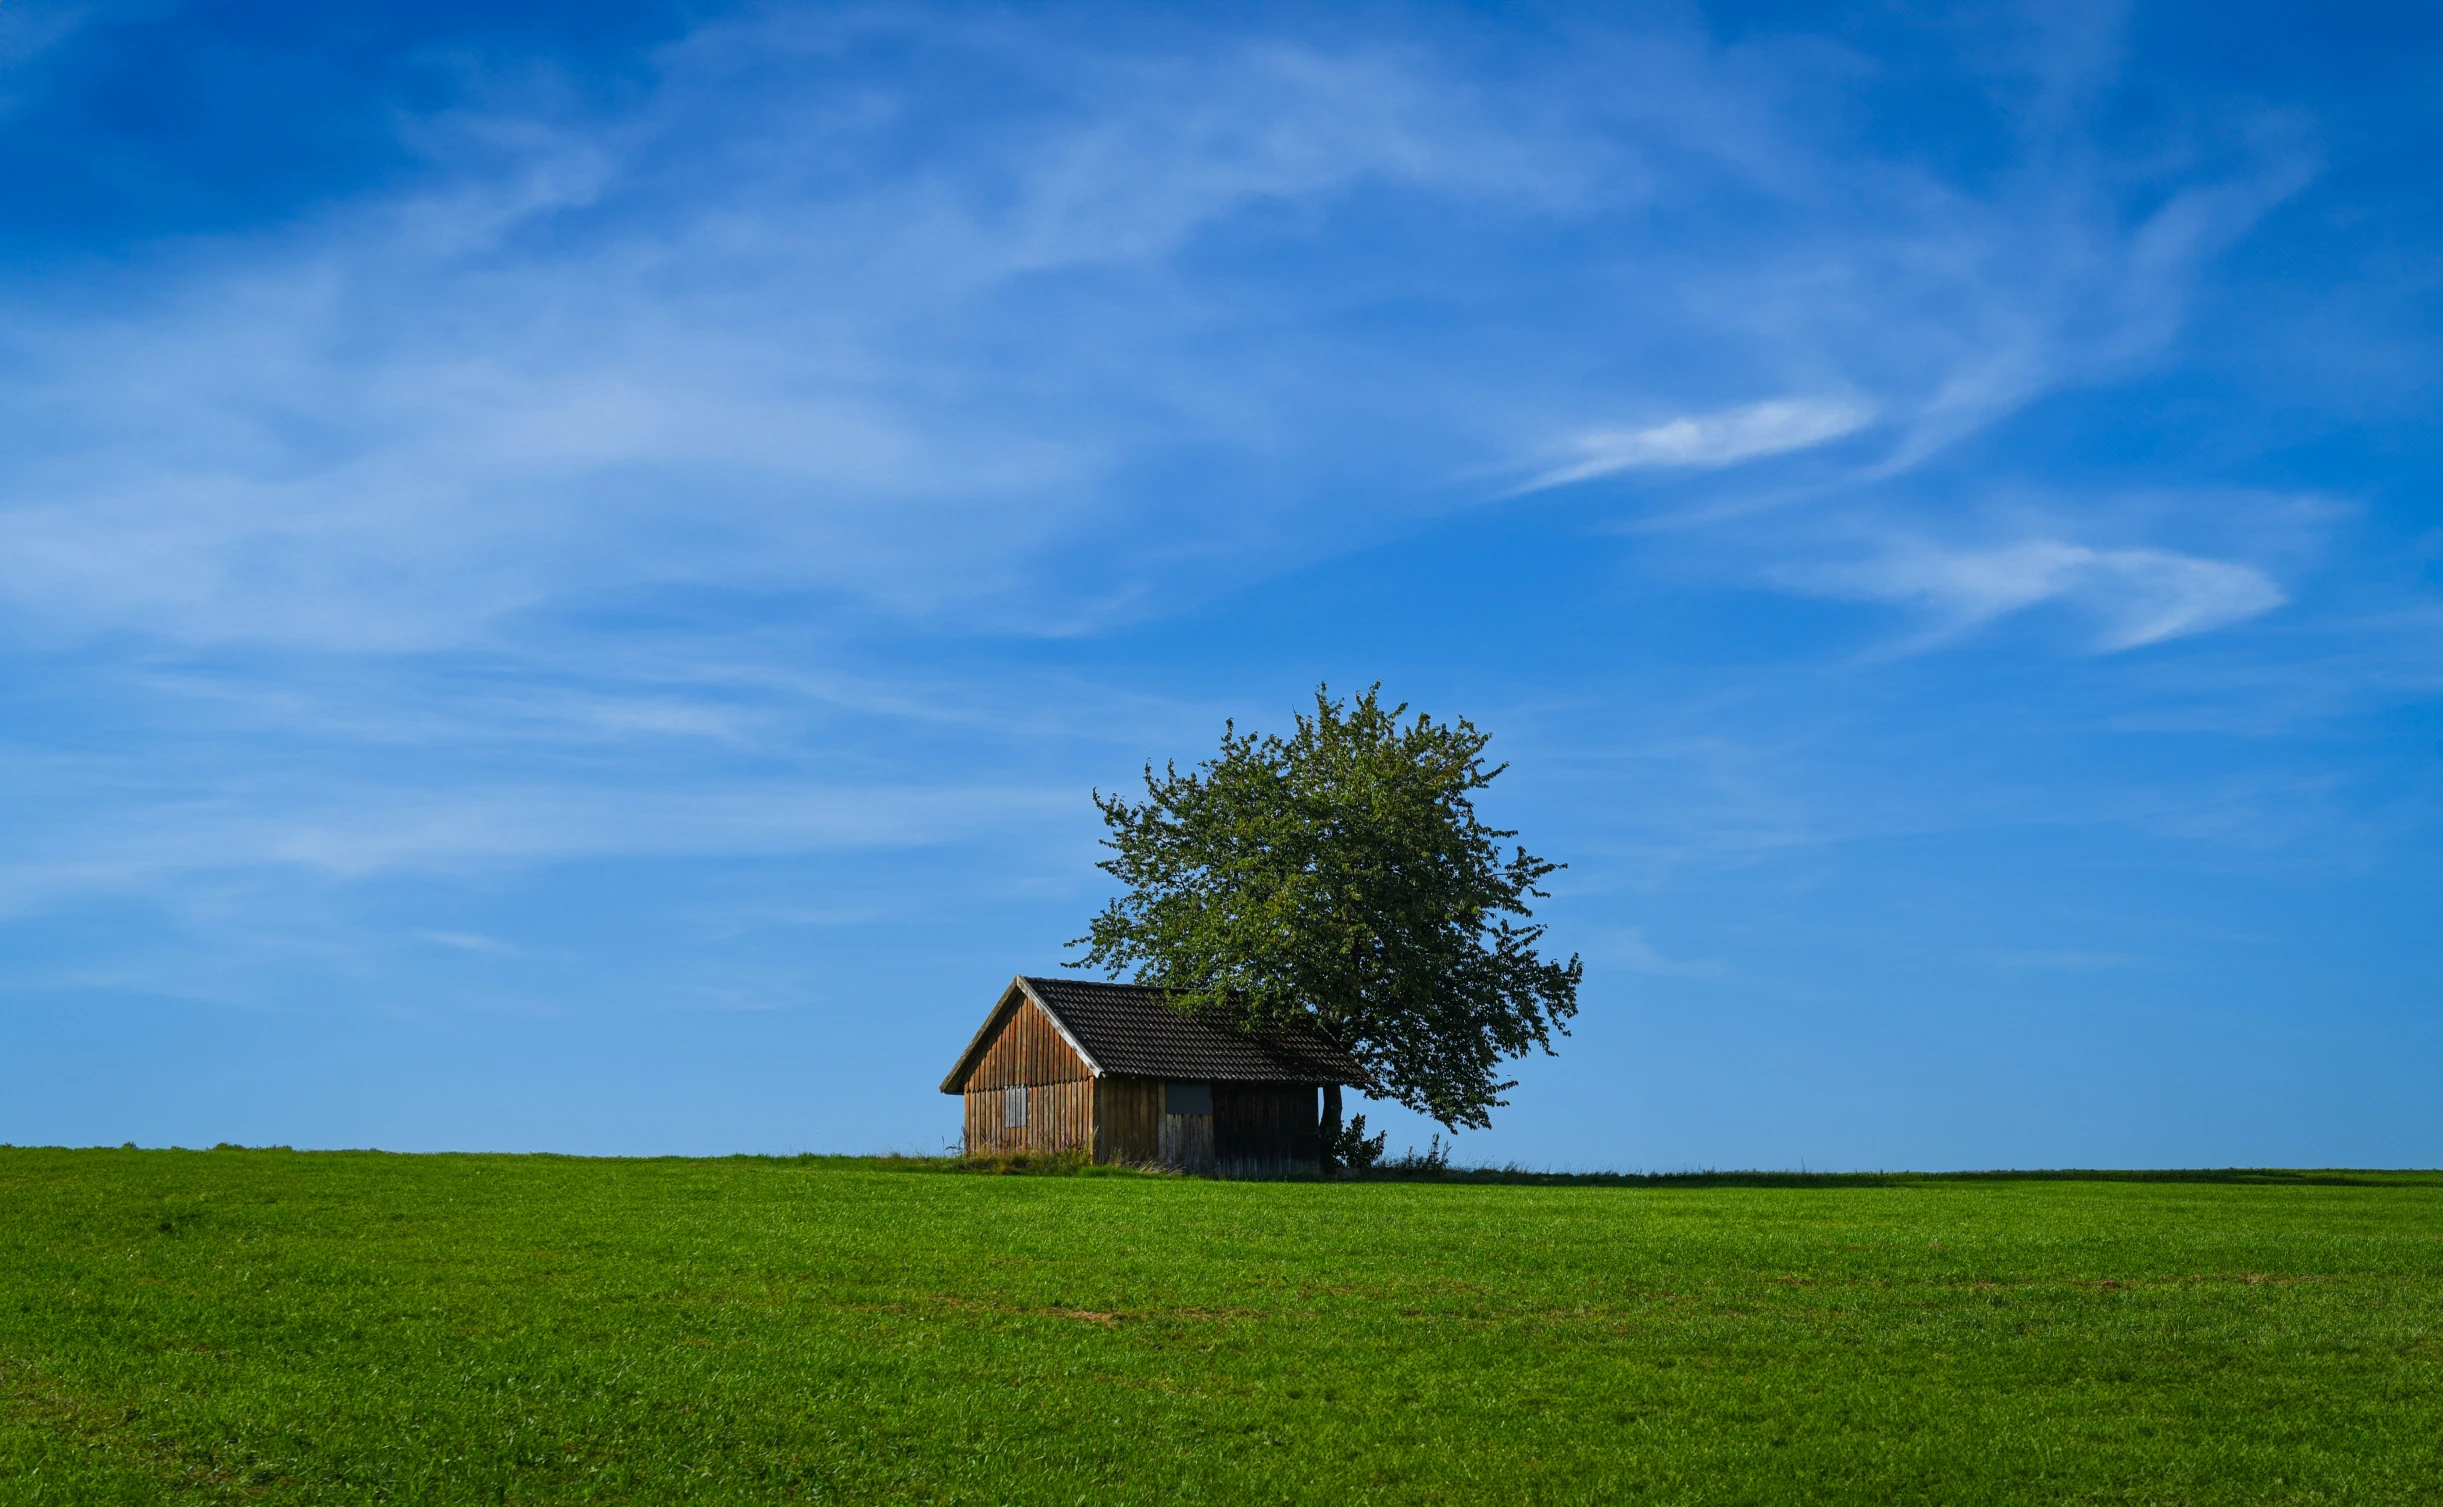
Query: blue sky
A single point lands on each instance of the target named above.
(565, 575)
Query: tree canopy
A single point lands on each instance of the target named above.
(1339, 878)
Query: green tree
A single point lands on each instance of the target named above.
(1339, 879)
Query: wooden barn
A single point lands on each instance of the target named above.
(1113, 1070)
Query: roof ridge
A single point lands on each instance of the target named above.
(1129, 1029)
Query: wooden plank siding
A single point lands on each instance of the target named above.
(1059, 1117)
(1266, 1130)
(1128, 1121)
(1029, 1049)
(1255, 1129)
(1030, 1052)
(1187, 1143)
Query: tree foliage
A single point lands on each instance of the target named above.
(1339, 878)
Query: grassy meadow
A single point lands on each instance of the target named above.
(268, 1326)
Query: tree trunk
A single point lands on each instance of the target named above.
(1331, 1127)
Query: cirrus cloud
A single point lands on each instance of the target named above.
(1708, 441)
(2135, 596)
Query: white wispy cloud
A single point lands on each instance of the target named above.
(2135, 596)
(469, 941)
(791, 324)
(1707, 440)
(391, 425)
(371, 829)
(922, 349)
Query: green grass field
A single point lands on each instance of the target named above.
(271, 1326)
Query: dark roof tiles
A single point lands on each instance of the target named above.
(1128, 1030)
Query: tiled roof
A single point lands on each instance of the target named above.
(1128, 1030)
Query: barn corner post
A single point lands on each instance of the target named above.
(1331, 1128)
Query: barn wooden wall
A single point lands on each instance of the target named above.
(1187, 1143)
(1266, 1130)
(1028, 1050)
(1059, 1089)
(1255, 1130)
(1059, 1117)
(1128, 1120)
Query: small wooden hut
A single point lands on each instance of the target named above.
(1115, 1071)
